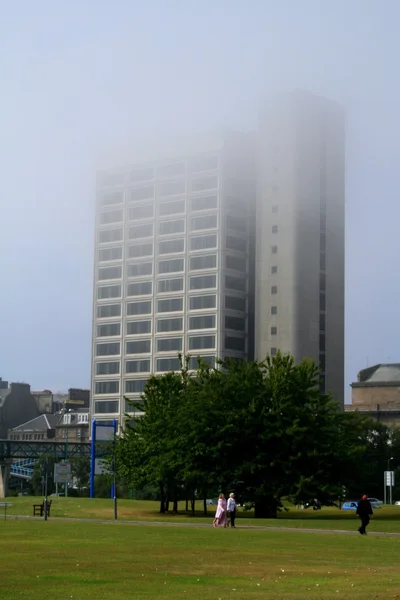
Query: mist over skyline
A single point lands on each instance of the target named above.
(81, 78)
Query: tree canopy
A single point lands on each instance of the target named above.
(261, 429)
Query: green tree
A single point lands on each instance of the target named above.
(80, 467)
(37, 480)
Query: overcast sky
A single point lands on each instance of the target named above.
(78, 76)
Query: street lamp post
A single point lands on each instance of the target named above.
(67, 413)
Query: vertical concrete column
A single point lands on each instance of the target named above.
(4, 477)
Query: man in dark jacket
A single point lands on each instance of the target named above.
(364, 511)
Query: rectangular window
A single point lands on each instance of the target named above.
(111, 198)
(236, 263)
(202, 322)
(202, 302)
(323, 222)
(170, 305)
(235, 303)
(108, 310)
(274, 330)
(274, 249)
(138, 347)
(106, 387)
(235, 323)
(322, 342)
(236, 224)
(171, 266)
(110, 349)
(141, 288)
(138, 327)
(322, 282)
(135, 386)
(195, 361)
(110, 273)
(322, 322)
(168, 364)
(203, 163)
(204, 183)
(203, 282)
(142, 193)
(274, 289)
(233, 243)
(274, 228)
(171, 246)
(165, 325)
(235, 343)
(202, 242)
(234, 283)
(322, 361)
(140, 269)
(322, 242)
(322, 262)
(140, 231)
(206, 222)
(107, 236)
(137, 366)
(204, 203)
(142, 174)
(108, 329)
(203, 262)
(172, 208)
(140, 250)
(111, 178)
(170, 285)
(107, 368)
(172, 188)
(274, 351)
(274, 310)
(111, 216)
(108, 407)
(169, 344)
(171, 227)
(177, 169)
(322, 302)
(141, 211)
(274, 270)
(202, 342)
(138, 308)
(106, 254)
(109, 291)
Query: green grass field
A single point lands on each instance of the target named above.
(57, 560)
(386, 519)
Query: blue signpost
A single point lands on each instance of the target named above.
(103, 433)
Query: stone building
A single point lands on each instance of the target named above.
(17, 405)
(377, 393)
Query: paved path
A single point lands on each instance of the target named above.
(204, 525)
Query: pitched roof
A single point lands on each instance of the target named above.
(41, 423)
(382, 373)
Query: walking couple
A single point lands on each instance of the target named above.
(226, 511)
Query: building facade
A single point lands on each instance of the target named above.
(233, 247)
(173, 267)
(376, 393)
(300, 233)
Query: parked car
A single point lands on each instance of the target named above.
(350, 505)
(212, 501)
(375, 503)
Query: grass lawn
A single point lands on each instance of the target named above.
(386, 519)
(57, 560)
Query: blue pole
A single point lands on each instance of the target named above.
(93, 458)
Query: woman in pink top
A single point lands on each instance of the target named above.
(220, 514)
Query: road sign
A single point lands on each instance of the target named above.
(62, 472)
(101, 467)
(389, 478)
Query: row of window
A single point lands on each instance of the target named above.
(107, 311)
(144, 327)
(144, 346)
(145, 288)
(202, 242)
(146, 211)
(37, 437)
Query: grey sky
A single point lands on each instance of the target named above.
(79, 76)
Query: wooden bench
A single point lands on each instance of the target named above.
(5, 505)
(38, 509)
